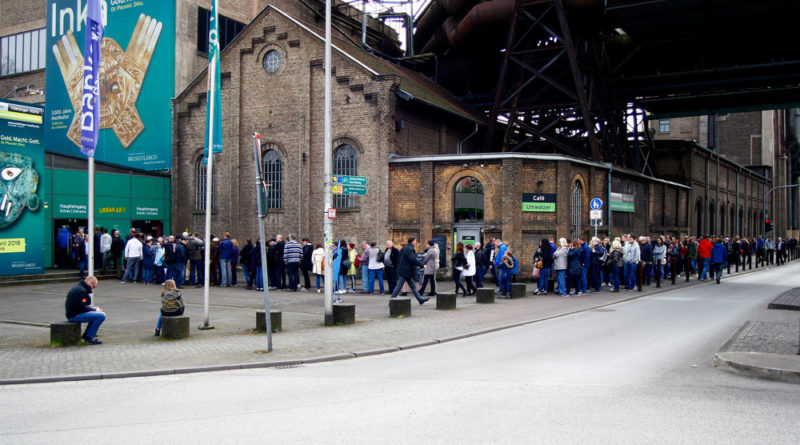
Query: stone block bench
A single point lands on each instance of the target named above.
(65, 333)
(484, 295)
(175, 327)
(445, 300)
(275, 321)
(518, 290)
(344, 313)
(400, 307)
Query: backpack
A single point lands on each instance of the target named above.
(171, 306)
(358, 261)
(604, 256)
(380, 255)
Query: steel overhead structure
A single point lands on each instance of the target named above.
(570, 75)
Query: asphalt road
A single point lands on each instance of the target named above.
(636, 372)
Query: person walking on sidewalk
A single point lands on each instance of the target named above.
(704, 253)
(458, 261)
(406, 269)
(469, 269)
(429, 266)
(80, 310)
(133, 254)
(719, 254)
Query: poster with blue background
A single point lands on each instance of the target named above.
(137, 78)
(21, 174)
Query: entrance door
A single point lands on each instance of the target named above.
(468, 233)
(62, 258)
(149, 227)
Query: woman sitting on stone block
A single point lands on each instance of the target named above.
(171, 303)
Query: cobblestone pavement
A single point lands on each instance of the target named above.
(129, 344)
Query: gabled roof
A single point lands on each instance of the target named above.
(413, 86)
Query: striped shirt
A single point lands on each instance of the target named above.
(292, 253)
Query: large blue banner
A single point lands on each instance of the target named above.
(136, 81)
(21, 170)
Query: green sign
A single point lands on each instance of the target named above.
(350, 180)
(137, 80)
(539, 202)
(348, 190)
(621, 202)
(21, 171)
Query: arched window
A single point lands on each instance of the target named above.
(345, 162)
(468, 200)
(722, 217)
(273, 178)
(200, 174)
(577, 200)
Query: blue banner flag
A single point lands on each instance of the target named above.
(214, 103)
(90, 100)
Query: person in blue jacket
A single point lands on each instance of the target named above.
(586, 258)
(62, 248)
(574, 269)
(719, 255)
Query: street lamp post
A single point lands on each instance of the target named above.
(766, 203)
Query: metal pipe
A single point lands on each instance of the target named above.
(261, 187)
(461, 142)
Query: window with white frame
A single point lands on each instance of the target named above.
(22, 52)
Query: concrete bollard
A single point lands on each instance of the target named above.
(175, 327)
(275, 321)
(399, 307)
(484, 295)
(518, 290)
(344, 313)
(445, 300)
(65, 333)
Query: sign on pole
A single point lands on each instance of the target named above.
(596, 204)
(348, 190)
(595, 214)
(349, 180)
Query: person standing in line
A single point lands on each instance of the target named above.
(480, 265)
(719, 254)
(280, 245)
(390, 261)
(62, 247)
(352, 270)
(632, 258)
(469, 269)
(79, 309)
(317, 261)
(244, 259)
(489, 258)
(306, 264)
(599, 256)
(80, 249)
(364, 263)
(659, 255)
(256, 269)
(194, 251)
(376, 258)
(179, 274)
(429, 269)
(225, 250)
(646, 254)
(769, 245)
(158, 264)
(292, 255)
(560, 257)
(133, 256)
(148, 260)
(617, 261)
(498, 255)
(406, 270)
(586, 259)
(105, 250)
(506, 269)
(458, 261)
(272, 265)
(234, 262)
(544, 255)
(574, 268)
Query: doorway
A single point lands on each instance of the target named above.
(152, 228)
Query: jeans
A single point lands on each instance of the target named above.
(225, 272)
(246, 273)
(584, 281)
(560, 278)
(544, 274)
(158, 270)
(411, 285)
(457, 280)
(161, 319)
(319, 277)
(594, 275)
(341, 283)
(364, 278)
(373, 274)
(94, 320)
(716, 271)
(147, 274)
(630, 275)
(615, 277)
(704, 267)
(196, 272)
(132, 269)
(479, 273)
(293, 270)
(180, 274)
(694, 265)
(428, 279)
(82, 267)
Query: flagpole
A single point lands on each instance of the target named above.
(90, 229)
(261, 235)
(209, 184)
(327, 225)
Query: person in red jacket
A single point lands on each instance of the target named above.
(704, 253)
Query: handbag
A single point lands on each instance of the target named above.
(346, 263)
(540, 265)
(535, 273)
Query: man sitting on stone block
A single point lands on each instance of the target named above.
(80, 310)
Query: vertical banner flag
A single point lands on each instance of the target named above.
(90, 113)
(214, 103)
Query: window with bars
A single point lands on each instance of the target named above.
(23, 52)
(201, 171)
(273, 178)
(577, 199)
(345, 162)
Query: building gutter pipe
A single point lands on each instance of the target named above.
(461, 142)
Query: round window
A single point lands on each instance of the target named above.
(272, 61)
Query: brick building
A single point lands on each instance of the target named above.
(273, 83)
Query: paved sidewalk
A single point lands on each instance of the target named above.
(129, 345)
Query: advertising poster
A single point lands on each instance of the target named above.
(21, 172)
(137, 78)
